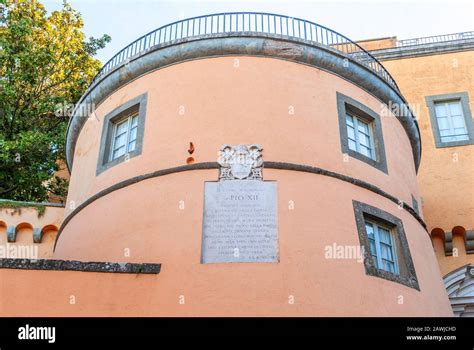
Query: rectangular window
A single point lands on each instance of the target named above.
(386, 251)
(122, 133)
(451, 119)
(359, 134)
(451, 122)
(124, 136)
(382, 247)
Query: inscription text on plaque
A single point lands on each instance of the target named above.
(240, 215)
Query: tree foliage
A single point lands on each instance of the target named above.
(46, 63)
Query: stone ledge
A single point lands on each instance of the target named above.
(26, 204)
(423, 50)
(73, 265)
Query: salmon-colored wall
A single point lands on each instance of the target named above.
(446, 174)
(245, 104)
(145, 220)
(232, 100)
(26, 219)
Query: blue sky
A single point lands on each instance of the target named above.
(126, 20)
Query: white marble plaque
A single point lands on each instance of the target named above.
(240, 222)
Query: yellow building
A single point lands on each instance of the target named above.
(359, 160)
(436, 75)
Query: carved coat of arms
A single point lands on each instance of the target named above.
(240, 162)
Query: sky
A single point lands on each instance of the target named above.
(126, 20)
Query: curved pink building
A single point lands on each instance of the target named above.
(337, 138)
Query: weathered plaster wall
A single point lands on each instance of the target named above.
(144, 223)
(24, 220)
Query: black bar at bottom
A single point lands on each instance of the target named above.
(455, 333)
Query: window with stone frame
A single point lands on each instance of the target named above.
(122, 133)
(361, 133)
(386, 251)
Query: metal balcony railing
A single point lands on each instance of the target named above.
(435, 39)
(248, 23)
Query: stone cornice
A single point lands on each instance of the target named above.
(72, 265)
(423, 50)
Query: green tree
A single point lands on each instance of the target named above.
(45, 62)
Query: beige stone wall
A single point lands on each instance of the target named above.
(378, 44)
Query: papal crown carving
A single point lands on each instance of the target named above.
(239, 162)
